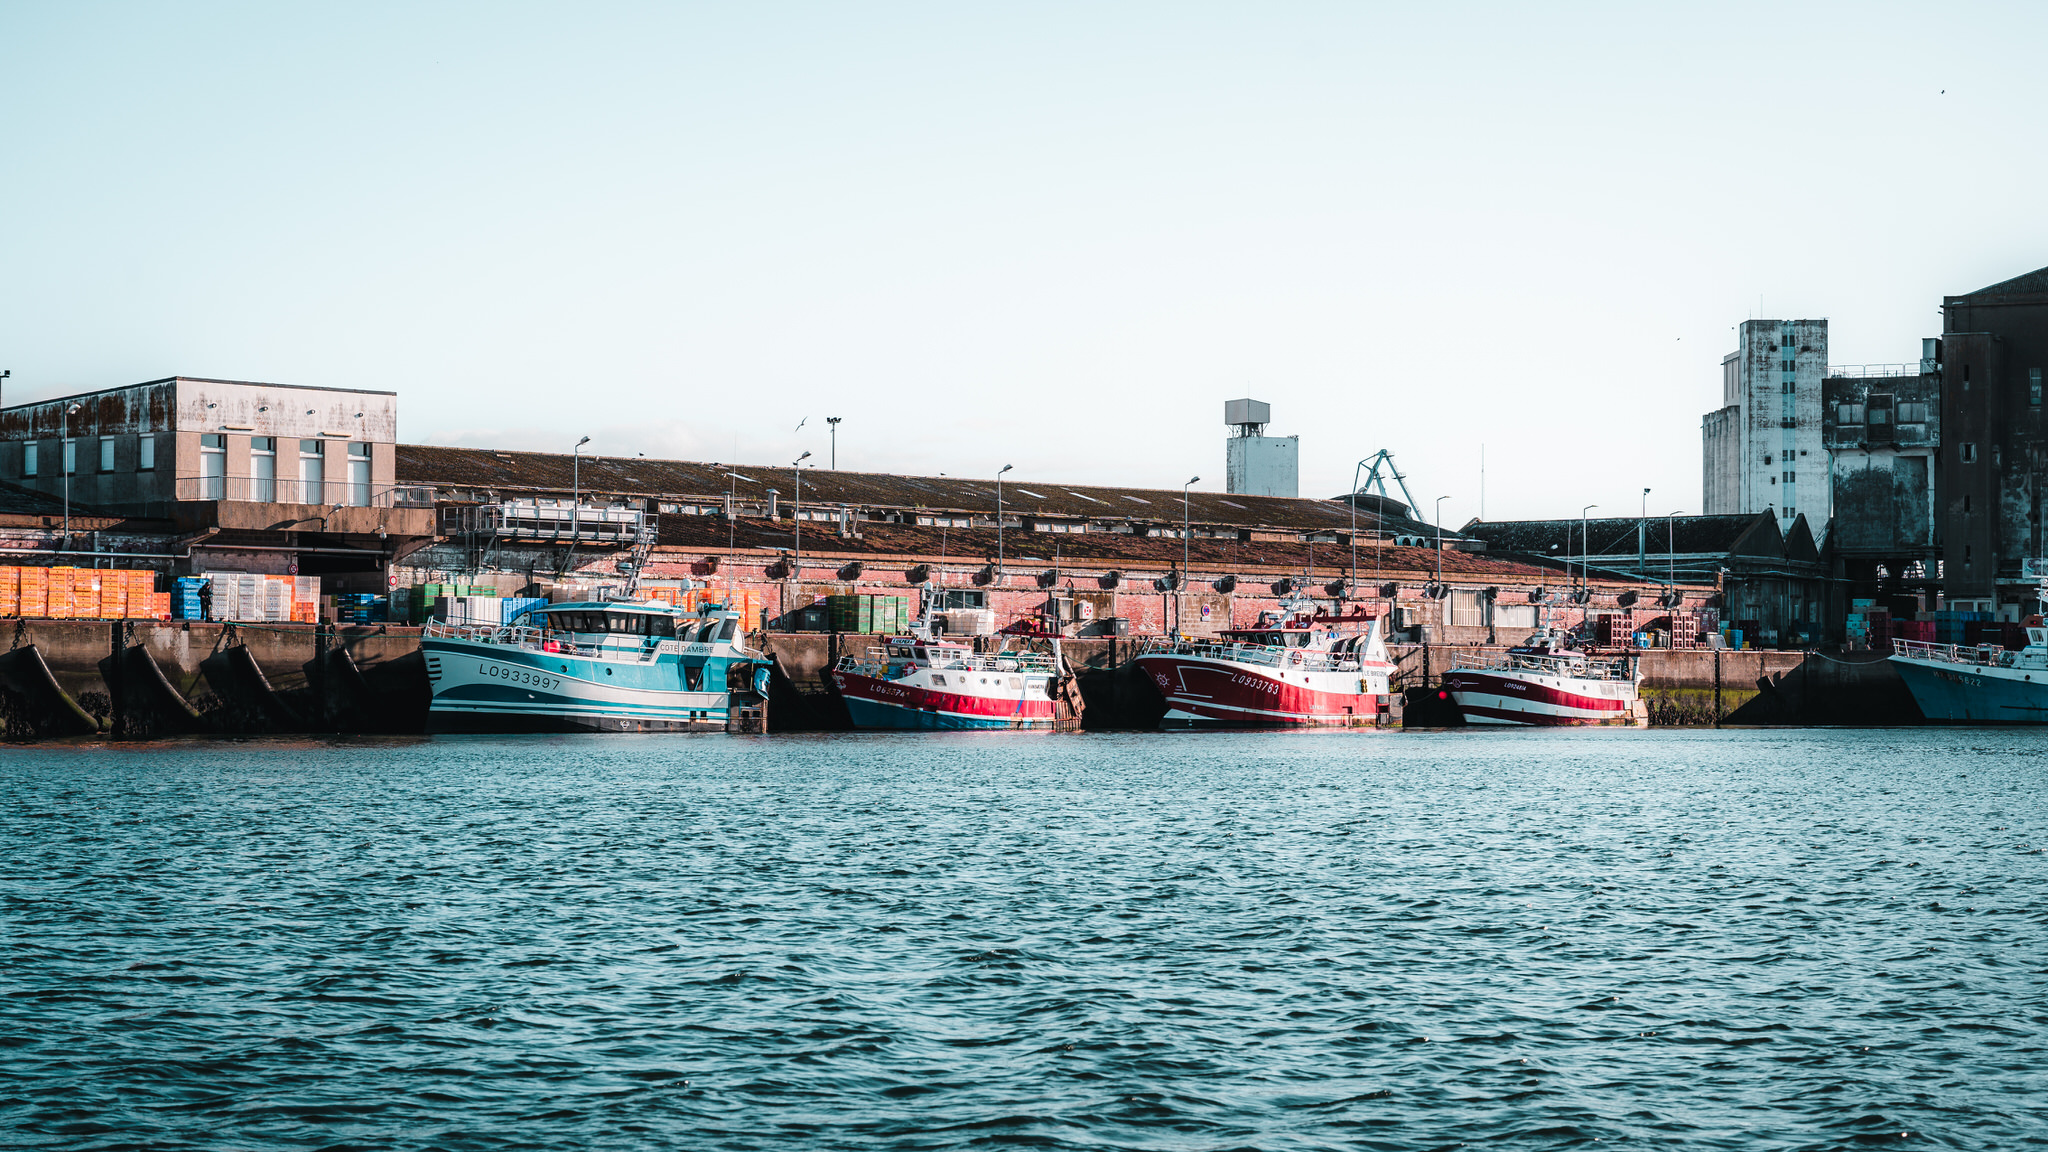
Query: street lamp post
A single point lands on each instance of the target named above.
(796, 555)
(1671, 553)
(1643, 539)
(1354, 520)
(832, 422)
(1180, 593)
(732, 491)
(1440, 540)
(1585, 554)
(999, 522)
(575, 500)
(66, 457)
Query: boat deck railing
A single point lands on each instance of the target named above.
(1981, 655)
(522, 636)
(1266, 655)
(1576, 667)
(1015, 662)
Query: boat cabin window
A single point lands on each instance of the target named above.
(638, 624)
(1272, 639)
(622, 623)
(714, 630)
(573, 621)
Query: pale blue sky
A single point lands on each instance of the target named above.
(1058, 236)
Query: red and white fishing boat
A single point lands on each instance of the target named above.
(1546, 682)
(915, 682)
(1296, 670)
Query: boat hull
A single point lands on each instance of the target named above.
(1205, 692)
(1949, 693)
(876, 703)
(479, 687)
(1508, 697)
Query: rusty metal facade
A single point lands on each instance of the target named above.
(1994, 451)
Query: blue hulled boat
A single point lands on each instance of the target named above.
(594, 667)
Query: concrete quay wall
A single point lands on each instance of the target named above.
(1692, 686)
(1683, 686)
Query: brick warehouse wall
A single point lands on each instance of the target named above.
(1015, 594)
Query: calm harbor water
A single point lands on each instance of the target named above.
(1698, 939)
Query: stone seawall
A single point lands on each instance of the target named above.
(326, 678)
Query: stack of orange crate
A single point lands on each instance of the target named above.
(10, 591)
(85, 594)
(305, 599)
(112, 586)
(142, 593)
(35, 591)
(63, 598)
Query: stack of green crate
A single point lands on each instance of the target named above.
(423, 598)
(869, 614)
(851, 613)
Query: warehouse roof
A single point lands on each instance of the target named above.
(2028, 284)
(1023, 549)
(1751, 534)
(486, 471)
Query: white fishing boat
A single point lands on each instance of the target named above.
(593, 667)
(1547, 682)
(919, 682)
(1296, 669)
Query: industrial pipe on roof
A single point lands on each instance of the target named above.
(190, 544)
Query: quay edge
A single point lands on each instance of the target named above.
(370, 679)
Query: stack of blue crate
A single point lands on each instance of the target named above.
(185, 598)
(517, 606)
(361, 608)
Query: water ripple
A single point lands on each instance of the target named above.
(1281, 941)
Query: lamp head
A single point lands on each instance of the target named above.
(804, 457)
(1193, 480)
(1006, 468)
(71, 411)
(582, 442)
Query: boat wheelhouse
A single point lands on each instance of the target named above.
(914, 682)
(1547, 683)
(1296, 669)
(593, 667)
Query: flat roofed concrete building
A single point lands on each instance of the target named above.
(143, 447)
(1762, 448)
(277, 462)
(1881, 424)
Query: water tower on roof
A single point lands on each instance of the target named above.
(1257, 464)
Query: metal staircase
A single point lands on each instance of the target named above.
(644, 537)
